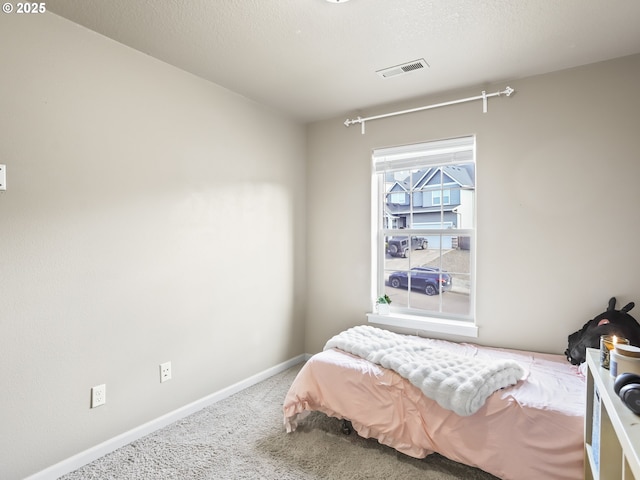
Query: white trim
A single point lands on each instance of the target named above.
(83, 458)
(425, 324)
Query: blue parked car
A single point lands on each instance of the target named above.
(429, 280)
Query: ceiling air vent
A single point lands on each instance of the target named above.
(402, 69)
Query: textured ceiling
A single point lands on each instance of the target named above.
(312, 59)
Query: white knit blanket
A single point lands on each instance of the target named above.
(458, 383)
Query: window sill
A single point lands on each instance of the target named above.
(425, 324)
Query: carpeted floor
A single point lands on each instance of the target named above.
(242, 437)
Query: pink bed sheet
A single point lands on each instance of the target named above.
(532, 430)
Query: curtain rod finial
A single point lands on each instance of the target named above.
(348, 123)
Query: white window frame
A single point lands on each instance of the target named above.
(437, 153)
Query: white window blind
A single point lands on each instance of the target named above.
(440, 152)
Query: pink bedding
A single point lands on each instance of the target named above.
(531, 430)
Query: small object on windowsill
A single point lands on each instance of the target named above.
(383, 305)
(383, 309)
(607, 344)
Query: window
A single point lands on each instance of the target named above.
(440, 197)
(398, 198)
(424, 245)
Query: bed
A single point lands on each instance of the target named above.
(529, 430)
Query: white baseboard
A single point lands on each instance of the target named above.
(73, 463)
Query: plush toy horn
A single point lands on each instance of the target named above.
(628, 307)
(612, 304)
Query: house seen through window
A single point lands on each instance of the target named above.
(424, 227)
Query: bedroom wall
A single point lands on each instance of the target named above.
(150, 216)
(558, 198)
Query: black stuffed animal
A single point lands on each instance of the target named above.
(611, 322)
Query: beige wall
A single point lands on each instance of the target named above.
(558, 198)
(150, 216)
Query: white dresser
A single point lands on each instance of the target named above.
(612, 431)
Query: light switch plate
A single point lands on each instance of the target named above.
(3, 177)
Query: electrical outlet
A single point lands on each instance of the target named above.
(165, 372)
(98, 395)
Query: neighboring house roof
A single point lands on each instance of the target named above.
(396, 185)
(461, 175)
(453, 173)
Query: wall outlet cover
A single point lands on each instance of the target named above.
(165, 372)
(98, 395)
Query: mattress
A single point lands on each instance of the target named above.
(532, 430)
